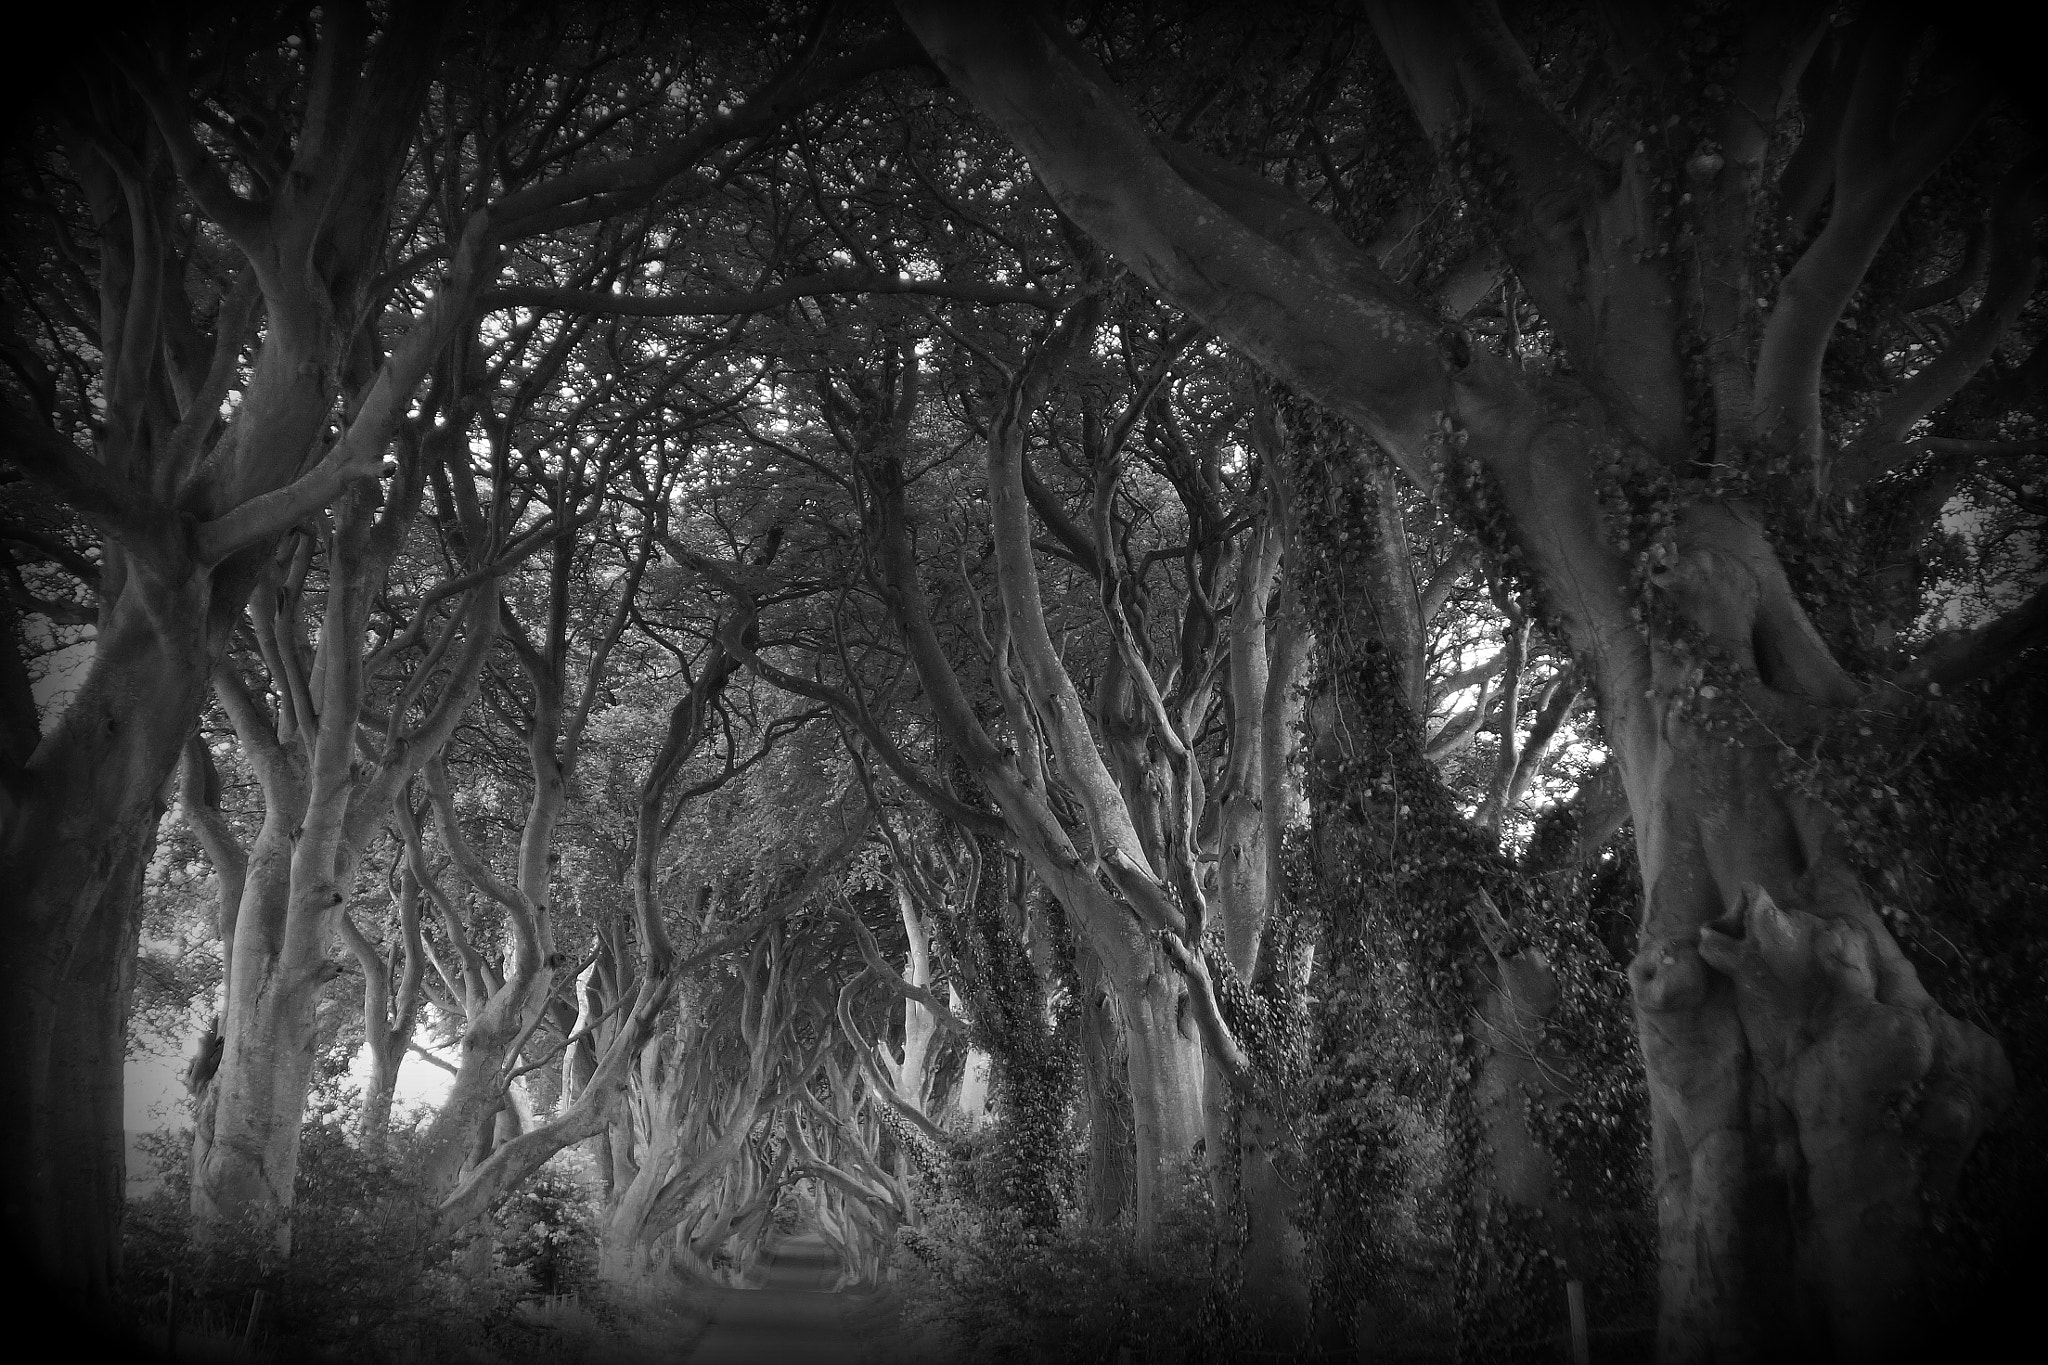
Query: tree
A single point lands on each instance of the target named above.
(324, 803)
(187, 505)
(1682, 394)
(251, 205)
(393, 975)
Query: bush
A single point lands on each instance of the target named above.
(979, 1287)
(365, 1280)
(547, 1232)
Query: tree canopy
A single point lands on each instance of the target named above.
(1378, 660)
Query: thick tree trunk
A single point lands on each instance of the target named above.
(64, 1152)
(77, 827)
(507, 1017)
(1164, 1072)
(625, 1260)
(1111, 1189)
(626, 1244)
(1274, 1259)
(1812, 1104)
(243, 1180)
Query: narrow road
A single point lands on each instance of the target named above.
(793, 1317)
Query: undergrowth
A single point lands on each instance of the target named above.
(365, 1279)
(981, 1287)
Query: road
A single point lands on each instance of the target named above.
(793, 1317)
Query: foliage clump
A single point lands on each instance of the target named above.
(990, 1289)
(1408, 1248)
(366, 1279)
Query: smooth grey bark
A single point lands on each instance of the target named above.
(391, 999)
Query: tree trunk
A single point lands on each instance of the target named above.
(1164, 1071)
(1812, 1104)
(64, 1152)
(243, 1181)
(77, 827)
(1111, 1191)
(626, 1245)
(321, 803)
(77, 821)
(1274, 1258)
(508, 1016)
(389, 1007)
(373, 1127)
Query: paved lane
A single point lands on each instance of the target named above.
(792, 1318)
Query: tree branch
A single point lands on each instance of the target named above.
(871, 953)
(1223, 1045)
(1875, 174)
(247, 224)
(762, 300)
(110, 504)
(614, 187)
(1960, 655)
(2015, 267)
(360, 451)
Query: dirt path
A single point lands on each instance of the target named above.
(793, 1317)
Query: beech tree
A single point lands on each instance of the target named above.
(1698, 379)
(393, 966)
(323, 805)
(1498, 534)
(212, 199)
(166, 460)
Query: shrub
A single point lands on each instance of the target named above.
(366, 1280)
(547, 1232)
(982, 1287)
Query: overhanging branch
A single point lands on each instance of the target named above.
(761, 300)
(1961, 655)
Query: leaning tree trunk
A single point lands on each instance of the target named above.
(488, 1050)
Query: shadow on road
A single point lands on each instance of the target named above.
(793, 1316)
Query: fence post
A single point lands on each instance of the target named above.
(1575, 1298)
(249, 1331)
